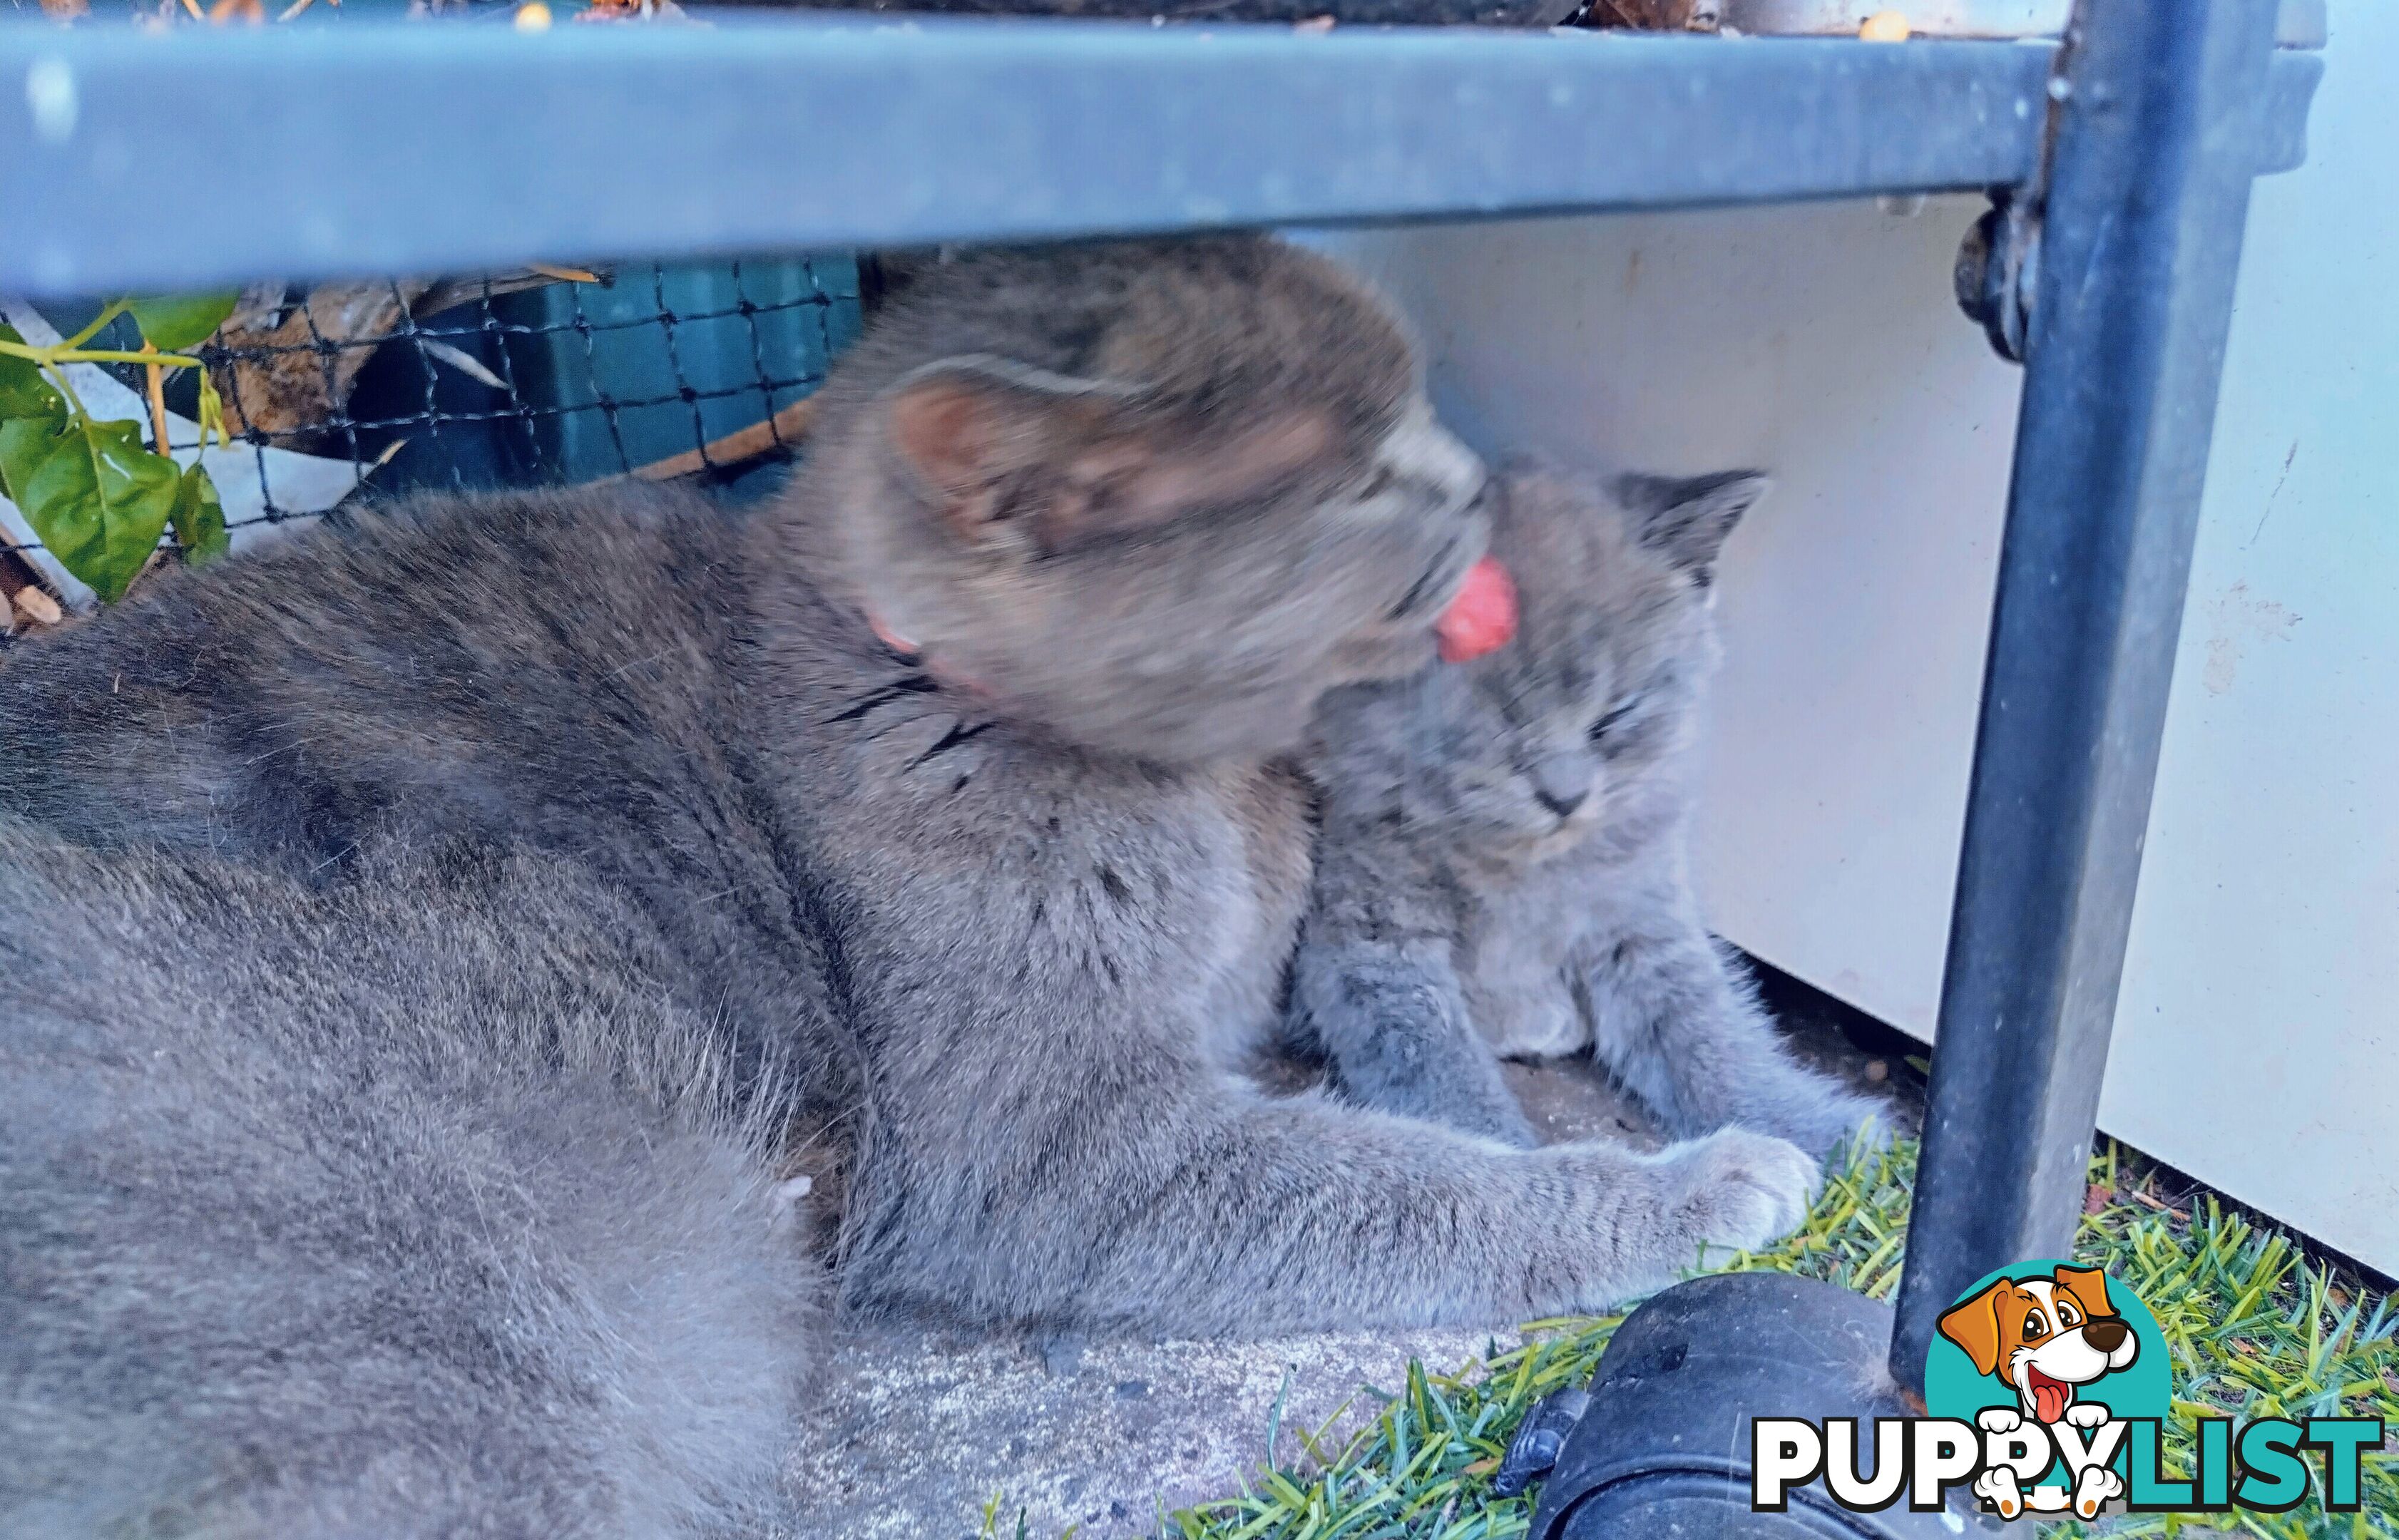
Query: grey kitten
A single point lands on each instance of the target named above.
(945, 791)
(1502, 867)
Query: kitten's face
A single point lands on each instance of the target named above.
(1153, 500)
(1578, 728)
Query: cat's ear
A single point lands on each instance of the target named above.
(1005, 451)
(1688, 520)
(975, 429)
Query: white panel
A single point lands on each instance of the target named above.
(2257, 1042)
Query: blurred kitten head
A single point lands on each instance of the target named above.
(1578, 730)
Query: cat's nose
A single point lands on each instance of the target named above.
(1562, 803)
(1562, 782)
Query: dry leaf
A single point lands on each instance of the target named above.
(632, 10)
(449, 294)
(317, 348)
(1658, 15)
(463, 361)
(295, 363)
(34, 607)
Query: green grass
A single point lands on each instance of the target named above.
(2256, 1328)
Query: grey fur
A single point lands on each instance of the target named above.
(1503, 860)
(360, 1213)
(996, 920)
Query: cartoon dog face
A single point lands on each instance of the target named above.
(2043, 1336)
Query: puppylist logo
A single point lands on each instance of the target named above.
(2047, 1392)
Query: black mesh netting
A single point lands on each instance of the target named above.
(534, 376)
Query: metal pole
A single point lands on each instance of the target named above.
(2157, 107)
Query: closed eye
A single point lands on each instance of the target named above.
(1613, 719)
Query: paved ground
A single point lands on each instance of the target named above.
(919, 1430)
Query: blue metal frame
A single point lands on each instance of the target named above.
(206, 155)
(2141, 214)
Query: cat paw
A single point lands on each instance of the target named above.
(1743, 1191)
(1500, 1121)
(1819, 1115)
(1479, 1112)
(1495, 1118)
(1865, 1127)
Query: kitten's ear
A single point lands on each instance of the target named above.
(1004, 449)
(1688, 520)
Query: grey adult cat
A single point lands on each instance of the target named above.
(1502, 868)
(932, 811)
(357, 1210)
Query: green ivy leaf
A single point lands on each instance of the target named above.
(23, 392)
(98, 499)
(198, 517)
(25, 442)
(173, 322)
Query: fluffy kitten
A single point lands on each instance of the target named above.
(1502, 865)
(941, 791)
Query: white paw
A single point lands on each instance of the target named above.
(1998, 1487)
(1998, 1419)
(2094, 1488)
(2087, 1414)
(1745, 1190)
